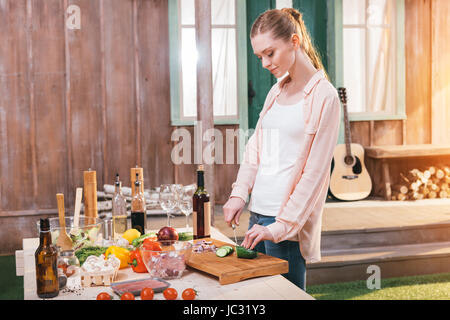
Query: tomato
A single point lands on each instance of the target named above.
(189, 294)
(127, 296)
(103, 296)
(147, 294)
(170, 294)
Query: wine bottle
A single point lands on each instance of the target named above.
(119, 210)
(138, 212)
(201, 211)
(46, 259)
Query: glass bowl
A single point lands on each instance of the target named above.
(89, 232)
(169, 263)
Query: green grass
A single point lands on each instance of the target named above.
(10, 284)
(425, 287)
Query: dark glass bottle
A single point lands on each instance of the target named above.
(46, 259)
(201, 208)
(138, 214)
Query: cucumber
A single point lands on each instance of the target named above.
(185, 236)
(244, 253)
(138, 241)
(223, 251)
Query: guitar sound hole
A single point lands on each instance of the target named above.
(348, 160)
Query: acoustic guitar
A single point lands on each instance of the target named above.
(349, 179)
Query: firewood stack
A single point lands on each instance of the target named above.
(430, 183)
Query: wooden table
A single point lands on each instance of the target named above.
(263, 288)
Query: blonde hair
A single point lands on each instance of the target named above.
(282, 24)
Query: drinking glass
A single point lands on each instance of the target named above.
(177, 190)
(167, 200)
(186, 206)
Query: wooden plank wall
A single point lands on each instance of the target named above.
(427, 91)
(440, 74)
(97, 97)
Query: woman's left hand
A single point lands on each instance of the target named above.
(255, 235)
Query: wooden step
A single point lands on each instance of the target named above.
(375, 237)
(393, 261)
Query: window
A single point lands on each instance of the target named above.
(229, 87)
(280, 4)
(373, 58)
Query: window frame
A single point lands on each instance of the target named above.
(175, 68)
(336, 61)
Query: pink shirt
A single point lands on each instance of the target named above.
(300, 215)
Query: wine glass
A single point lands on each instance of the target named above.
(167, 200)
(185, 205)
(177, 190)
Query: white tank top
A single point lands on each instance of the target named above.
(281, 127)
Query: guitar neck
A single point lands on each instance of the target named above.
(348, 140)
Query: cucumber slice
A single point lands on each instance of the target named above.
(221, 252)
(244, 253)
(230, 249)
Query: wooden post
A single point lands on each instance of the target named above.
(387, 179)
(205, 86)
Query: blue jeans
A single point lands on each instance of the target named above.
(286, 250)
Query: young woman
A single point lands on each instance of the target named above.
(286, 165)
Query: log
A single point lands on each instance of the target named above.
(443, 194)
(415, 185)
(423, 189)
(402, 197)
(433, 187)
(415, 195)
(443, 186)
(440, 174)
(399, 188)
(446, 170)
(432, 195)
(432, 170)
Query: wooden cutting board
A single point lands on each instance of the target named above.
(231, 269)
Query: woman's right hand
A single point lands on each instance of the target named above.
(232, 210)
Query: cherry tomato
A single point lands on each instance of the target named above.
(147, 294)
(189, 294)
(170, 294)
(127, 296)
(103, 296)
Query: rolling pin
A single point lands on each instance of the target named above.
(90, 196)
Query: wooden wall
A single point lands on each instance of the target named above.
(97, 97)
(427, 51)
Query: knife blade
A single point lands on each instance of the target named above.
(234, 231)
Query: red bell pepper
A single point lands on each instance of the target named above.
(136, 262)
(152, 245)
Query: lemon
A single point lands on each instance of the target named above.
(131, 234)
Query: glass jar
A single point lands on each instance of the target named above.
(68, 263)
